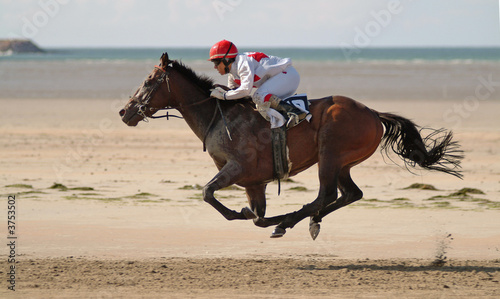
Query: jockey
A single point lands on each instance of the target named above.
(275, 79)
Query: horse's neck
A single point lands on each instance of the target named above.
(196, 109)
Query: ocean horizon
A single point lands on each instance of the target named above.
(190, 54)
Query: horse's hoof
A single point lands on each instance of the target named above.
(249, 214)
(278, 232)
(314, 229)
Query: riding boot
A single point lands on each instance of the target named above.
(292, 114)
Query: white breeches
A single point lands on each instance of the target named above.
(282, 85)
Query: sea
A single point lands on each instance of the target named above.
(299, 54)
(366, 73)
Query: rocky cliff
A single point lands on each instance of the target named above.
(19, 46)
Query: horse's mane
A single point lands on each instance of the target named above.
(204, 82)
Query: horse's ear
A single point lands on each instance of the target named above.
(164, 60)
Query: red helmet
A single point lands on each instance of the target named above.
(223, 49)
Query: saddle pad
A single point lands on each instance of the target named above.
(300, 101)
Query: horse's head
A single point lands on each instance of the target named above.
(150, 97)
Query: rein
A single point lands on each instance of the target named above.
(142, 107)
(172, 108)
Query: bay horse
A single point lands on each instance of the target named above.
(341, 134)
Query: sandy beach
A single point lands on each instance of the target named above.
(104, 210)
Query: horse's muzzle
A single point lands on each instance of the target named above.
(130, 118)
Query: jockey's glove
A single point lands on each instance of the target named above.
(218, 93)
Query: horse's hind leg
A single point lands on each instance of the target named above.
(328, 175)
(227, 176)
(350, 193)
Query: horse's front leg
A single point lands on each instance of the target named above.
(228, 175)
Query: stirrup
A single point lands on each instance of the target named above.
(293, 120)
(292, 114)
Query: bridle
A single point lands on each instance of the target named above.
(142, 106)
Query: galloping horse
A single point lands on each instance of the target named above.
(341, 134)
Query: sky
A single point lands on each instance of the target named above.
(250, 23)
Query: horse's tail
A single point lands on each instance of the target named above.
(437, 151)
